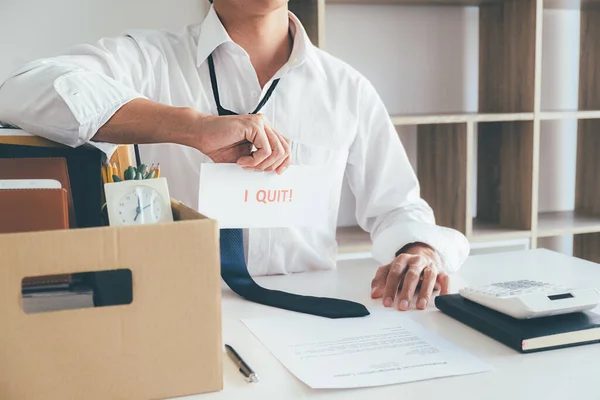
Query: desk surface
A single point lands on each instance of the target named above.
(558, 374)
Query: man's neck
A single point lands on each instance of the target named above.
(265, 37)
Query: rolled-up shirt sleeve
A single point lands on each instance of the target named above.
(68, 98)
(388, 202)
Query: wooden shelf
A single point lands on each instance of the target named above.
(497, 148)
(571, 4)
(418, 2)
(566, 223)
(452, 118)
(556, 115)
(484, 231)
(353, 239)
(455, 118)
(560, 4)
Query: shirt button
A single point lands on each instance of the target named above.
(254, 93)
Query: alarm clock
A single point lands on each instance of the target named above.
(138, 202)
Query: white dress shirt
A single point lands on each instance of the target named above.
(326, 108)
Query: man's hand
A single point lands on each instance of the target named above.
(230, 139)
(417, 269)
(227, 139)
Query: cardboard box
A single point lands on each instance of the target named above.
(166, 343)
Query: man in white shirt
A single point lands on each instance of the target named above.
(154, 88)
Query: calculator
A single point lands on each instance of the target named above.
(524, 299)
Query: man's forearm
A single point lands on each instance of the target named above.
(142, 121)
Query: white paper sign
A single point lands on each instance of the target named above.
(236, 198)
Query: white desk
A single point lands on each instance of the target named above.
(558, 374)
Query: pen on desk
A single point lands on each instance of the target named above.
(241, 364)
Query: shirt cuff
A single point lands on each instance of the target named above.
(452, 246)
(93, 99)
(107, 148)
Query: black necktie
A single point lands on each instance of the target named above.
(233, 263)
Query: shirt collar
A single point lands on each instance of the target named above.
(303, 48)
(213, 34)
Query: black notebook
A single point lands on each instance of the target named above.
(528, 335)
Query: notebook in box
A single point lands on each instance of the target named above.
(33, 210)
(40, 168)
(84, 174)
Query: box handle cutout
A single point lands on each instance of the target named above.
(50, 293)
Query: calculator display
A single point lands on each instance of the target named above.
(561, 296)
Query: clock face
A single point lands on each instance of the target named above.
(142, 205)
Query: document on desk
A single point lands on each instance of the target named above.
(387, 347)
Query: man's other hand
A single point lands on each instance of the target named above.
(417, 271)
(231, 139)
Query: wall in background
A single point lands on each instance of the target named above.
(31, 29)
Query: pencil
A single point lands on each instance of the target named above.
(157, 171)
(116, 170)
(104, 174)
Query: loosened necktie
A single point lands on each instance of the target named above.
(233, 263)
(236, 275)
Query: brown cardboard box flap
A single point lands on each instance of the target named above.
(166, 343)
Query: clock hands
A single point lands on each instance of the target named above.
(138, 209)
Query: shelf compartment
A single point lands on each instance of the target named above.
(505, 174)
(442, 172)
(567, 222)
(312, 15)
(484, 231)
(507, 49)
(451, 118)
(587, 187)
(587, 247)
(589, 64)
